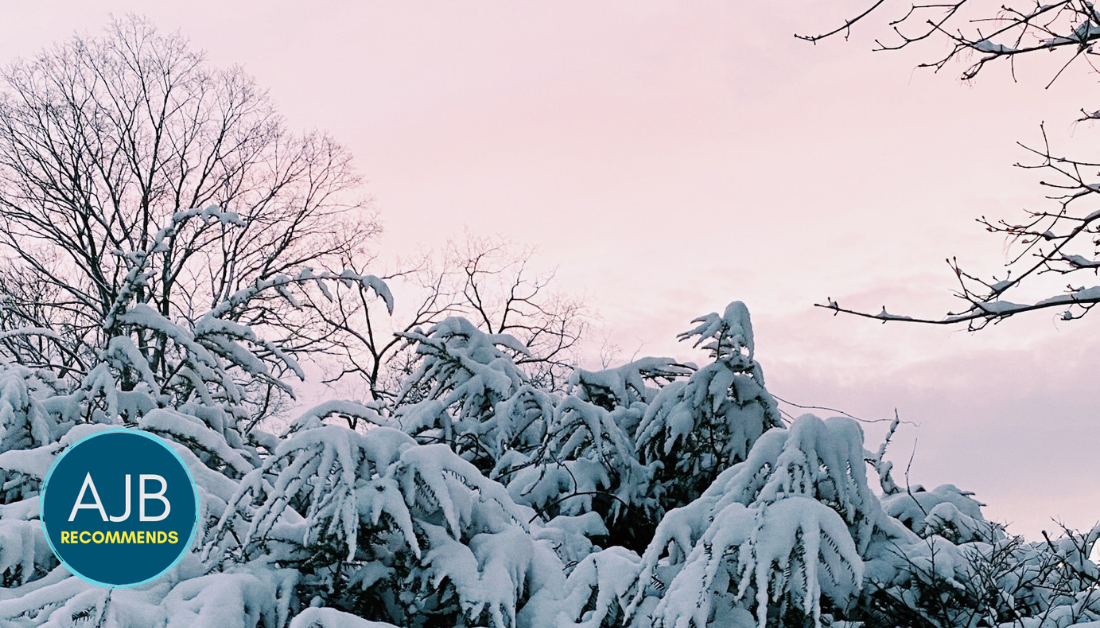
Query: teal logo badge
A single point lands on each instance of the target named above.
(119, 508)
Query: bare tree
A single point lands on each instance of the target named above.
(1063, 239)
(503, 295)
(105, 140)
(490, 281)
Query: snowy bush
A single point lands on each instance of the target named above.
(389, 529)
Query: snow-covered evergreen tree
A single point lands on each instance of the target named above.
(697, 428)
(391, 530)
(452, 397)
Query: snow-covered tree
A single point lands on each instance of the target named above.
(507, 505)
(695, 429)
(463, 375)
(774, 535)
(393, 531)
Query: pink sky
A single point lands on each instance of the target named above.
(670, 157)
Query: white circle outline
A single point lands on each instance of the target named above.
(117, 430)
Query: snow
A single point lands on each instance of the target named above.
(343, 408)
(230, 600)
(22, 546)
(34, 463)
(729, 332)
(332, 618)
(999, 307)
(985, 45)
(610, 577)
(194, 433)
(1080, 261)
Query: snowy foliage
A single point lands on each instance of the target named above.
(652, 494)
(695, 429)
(390, 529)
(777, 531)
(452, 397)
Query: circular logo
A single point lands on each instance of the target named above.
(119, 508)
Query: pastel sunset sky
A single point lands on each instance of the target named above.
(669, 157)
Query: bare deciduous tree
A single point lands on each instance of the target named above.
(103, 140)
(488, 280)
(503, 295)
(1062, 240)
(106, 142)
